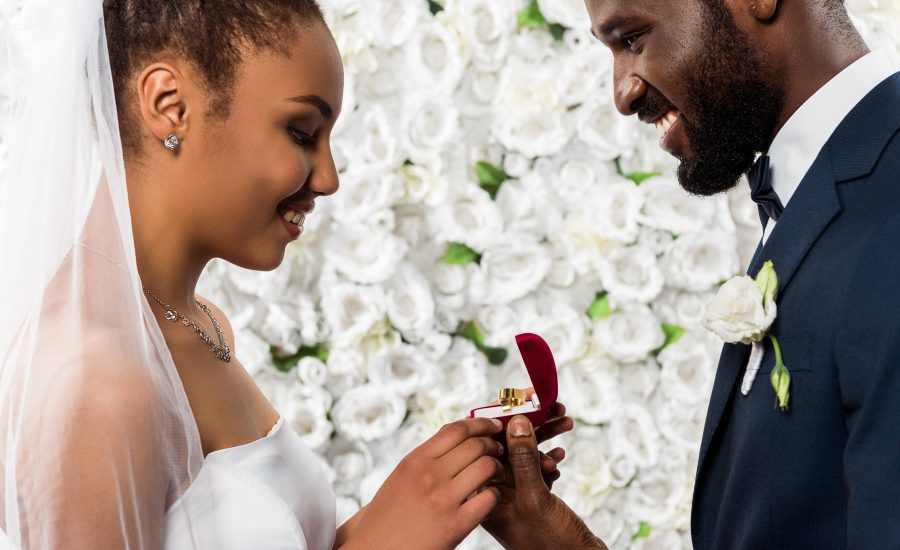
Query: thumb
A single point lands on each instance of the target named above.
(525, 462)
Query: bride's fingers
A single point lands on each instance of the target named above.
(476, 475)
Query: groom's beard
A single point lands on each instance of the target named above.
(736, 102)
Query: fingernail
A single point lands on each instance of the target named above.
(497, 423)
(520, 426)
(501, 448)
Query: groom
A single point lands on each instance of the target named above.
(723, 80)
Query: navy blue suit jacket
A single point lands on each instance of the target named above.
(826, 474)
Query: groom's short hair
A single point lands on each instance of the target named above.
(212, 35)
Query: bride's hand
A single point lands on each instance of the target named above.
(429, 499)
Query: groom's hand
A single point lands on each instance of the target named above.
(528, 514)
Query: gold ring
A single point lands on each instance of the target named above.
(511, 397)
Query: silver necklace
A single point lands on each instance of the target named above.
(222, 350)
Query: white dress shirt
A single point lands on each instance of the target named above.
(799, 141)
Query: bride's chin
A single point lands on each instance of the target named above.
(260, 260)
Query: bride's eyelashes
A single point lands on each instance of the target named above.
(301, 138)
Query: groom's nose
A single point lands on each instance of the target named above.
(629, 91)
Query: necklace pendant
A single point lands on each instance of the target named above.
(170, 315)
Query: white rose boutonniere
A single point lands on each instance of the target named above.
(742, 311)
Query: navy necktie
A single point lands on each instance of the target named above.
(761, 191)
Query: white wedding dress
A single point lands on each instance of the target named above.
(270, 494)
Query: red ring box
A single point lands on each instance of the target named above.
(542, 370)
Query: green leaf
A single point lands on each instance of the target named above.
(286, 363)
(495, 356)
(531, 16)
(460, 254)
(435, 7)
(640, 177)
(600, 308)
(556, 31)
(673, 334)
(471, 331)
(642, 532)
(490, 177)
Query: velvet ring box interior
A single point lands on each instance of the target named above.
(542, 370)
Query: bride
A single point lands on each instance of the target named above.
(126, 418)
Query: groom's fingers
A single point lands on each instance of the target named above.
(524, 460)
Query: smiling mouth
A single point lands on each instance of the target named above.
(665, 122)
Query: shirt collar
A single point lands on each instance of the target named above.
(799, 141)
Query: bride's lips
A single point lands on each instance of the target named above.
(292, 217)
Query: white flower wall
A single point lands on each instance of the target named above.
(488, 188)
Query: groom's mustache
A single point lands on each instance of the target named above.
(654, 106)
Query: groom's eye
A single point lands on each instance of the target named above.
(632, 40)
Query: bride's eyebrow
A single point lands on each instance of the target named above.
(315, 101)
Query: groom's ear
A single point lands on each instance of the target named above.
(163, 92)
(763, 10)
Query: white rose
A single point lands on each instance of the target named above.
(410, 305)
(437, 56)
(639, 380)
(431, 125)
(658, 495)
(345, 370)
(681, 425)
(435, 344)
(306, 412)
(738, 312)
(403, 369)
(375, 140)
(390, 23)
(681, 308)
(462, 381)
(487, 26)
(604, 130)
(476, 92)
(470, 217)
(635, 434)
(561, 273)
(311, 371)
(280, 328)
(499, 323)
(524, 205)
(698, 261)
(532, 118)
(660, 539)
(351, 461)
(364, 255)
(424, 184)
(584, 75)
(588, 464)
(564, 328)
(568, 13)
(688, 367)
(364, 197)
(590, 391)
(669, 207)
(267, 285)
(351, 310)
(629, 335)
(623, 467)
(368, 412)
(632, 275)
(510, 270)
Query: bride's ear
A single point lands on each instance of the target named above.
(163, 93)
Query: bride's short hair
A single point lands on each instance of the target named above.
(213, 35)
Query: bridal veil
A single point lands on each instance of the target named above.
(96, 434)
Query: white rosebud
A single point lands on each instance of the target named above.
(737, 313)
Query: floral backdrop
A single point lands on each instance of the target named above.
(488, 188)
